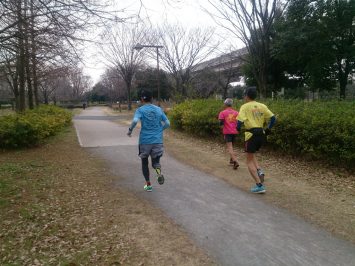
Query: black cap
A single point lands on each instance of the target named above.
(250, 92)
(146, 95)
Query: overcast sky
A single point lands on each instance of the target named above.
(185, 12)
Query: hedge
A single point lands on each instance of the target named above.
(198, 117)
(321, 130)
(33, 126)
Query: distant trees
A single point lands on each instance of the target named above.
(183, 50)
(110, 88)
(252, 22)
(292, 44)
(63, 84)
(119, 53)
(316, 42)
(36, 35)
(146, 78)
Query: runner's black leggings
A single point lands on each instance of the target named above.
(145, 167)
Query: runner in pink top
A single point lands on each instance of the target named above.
(228, 119)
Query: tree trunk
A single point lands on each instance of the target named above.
(263, 83)
(21, 74)
(16, 93)
(27, 58)
(33, 56)
(343, 73)
(129, 100)
(342, 85)
(20, 64)
(13, 83)
(45, 96)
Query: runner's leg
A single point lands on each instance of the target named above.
(231, 151)
(156, 162)
(251, 167)
(156, 165)
(255, 163)
(145, 169)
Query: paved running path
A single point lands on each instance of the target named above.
(234, 227)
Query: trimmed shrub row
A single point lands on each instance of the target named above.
(33, 126)
(322, 130)
(198, 117)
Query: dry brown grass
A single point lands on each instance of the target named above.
(58, 207)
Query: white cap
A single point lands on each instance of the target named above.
(228, 102)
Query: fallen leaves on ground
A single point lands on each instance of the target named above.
(60, 207)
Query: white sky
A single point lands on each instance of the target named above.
(185, 12)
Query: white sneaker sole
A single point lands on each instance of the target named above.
(259, 192)
(150, 190)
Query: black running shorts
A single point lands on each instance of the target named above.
(229, 137)
(253, 144)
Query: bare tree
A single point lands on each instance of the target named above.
(115, 84)
(119, 52)
(183, 49)
(34, 33)
(79, 83)
(251, 22)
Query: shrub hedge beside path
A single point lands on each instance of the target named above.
(33, 126)
(322, 130)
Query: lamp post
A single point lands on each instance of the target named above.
(139, 47)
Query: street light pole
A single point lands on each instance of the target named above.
(157, 47)
(158, 79)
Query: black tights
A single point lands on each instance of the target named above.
(145, 167)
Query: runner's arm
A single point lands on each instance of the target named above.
(241, 118)
(165, 121)
(134, 123)
(239, 125)
(272, 122)
(166, 124)
(221, 119)
(270, 125)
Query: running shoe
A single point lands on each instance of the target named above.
(231, 161)
(258, 190)
(235, 165)
(160, 177)
(148, 188)
(261, 175)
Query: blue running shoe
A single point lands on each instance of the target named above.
(258, 190)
